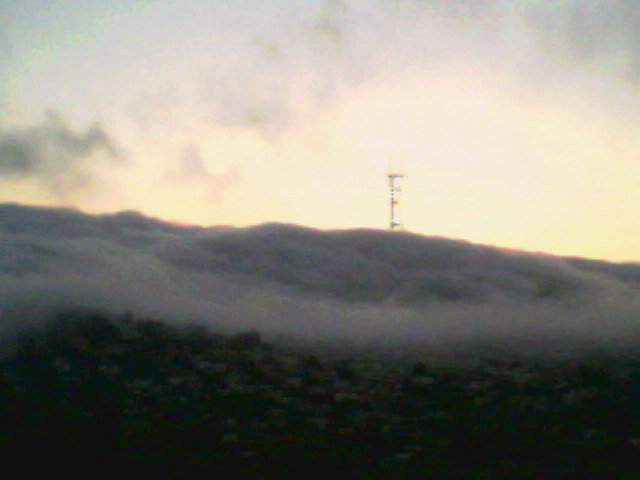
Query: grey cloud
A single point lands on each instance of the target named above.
(191, 169)
(156, 107)
(52, 153)
(6, 46)
(313, 60)
(191, 164)
(252, 95)
(461, 8)
(331, 22)
(595, 31)
(281, 70)
(309, 285)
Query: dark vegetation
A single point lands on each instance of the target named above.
(88, 394)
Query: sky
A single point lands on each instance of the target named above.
(515, 121)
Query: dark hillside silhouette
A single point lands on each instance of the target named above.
(89, 393)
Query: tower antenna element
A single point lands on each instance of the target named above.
(394, 197)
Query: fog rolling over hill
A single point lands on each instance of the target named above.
(309, 285)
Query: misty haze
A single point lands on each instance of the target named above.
(365, 239)
(366, 286)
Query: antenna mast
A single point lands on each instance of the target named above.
(394, 193)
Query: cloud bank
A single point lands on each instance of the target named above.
(313, 286)
(52, 154)
(289, 66)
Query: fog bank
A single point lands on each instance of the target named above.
(308, 285)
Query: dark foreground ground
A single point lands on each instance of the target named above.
(94, 395)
